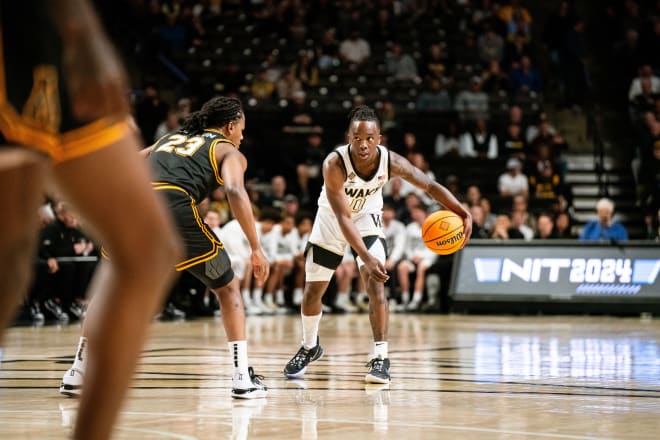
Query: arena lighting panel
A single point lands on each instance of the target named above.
(557, 271)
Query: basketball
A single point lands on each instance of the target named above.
(442, 232)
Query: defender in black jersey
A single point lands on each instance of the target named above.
(187, 166)
(63, 115)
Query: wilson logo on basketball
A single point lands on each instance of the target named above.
(451, 240)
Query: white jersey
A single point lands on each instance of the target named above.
(415, 246)
(235, 241)
(236, 245)
(287, 245)
(395, 237)
(268, 240)
(365, 193)
(302, 242)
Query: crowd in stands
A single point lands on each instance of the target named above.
(459, 89)
(634, 39)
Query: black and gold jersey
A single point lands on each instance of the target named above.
(188, 161)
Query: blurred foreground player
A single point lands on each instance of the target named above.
(63, 98)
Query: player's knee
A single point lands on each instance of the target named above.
(376, 293)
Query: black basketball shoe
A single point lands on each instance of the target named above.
(297, 366)
(379, 370)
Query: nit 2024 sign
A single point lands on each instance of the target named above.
(589, 272)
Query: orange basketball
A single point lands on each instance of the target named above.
(442, 232)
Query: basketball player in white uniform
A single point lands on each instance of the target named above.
(349, 212)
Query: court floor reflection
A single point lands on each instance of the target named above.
(458, 377)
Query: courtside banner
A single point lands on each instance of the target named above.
(557, 270)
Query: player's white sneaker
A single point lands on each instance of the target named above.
(346, 306)
(413, 305)
(257, 391)
(274, 308)
(72, 382)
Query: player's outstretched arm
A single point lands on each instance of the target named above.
(400, 166)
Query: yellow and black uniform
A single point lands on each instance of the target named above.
(185, 170)
(35, 109)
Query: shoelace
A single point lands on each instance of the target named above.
(254, 376)
(376, 363)
(301, 356)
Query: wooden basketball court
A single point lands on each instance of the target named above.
(453, 377)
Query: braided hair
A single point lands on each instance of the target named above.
(216, 112)
(363, 113)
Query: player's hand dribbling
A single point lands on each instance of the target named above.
(260, 266)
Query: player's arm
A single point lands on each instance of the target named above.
(333, 175)
(400, 166)
(232, 171)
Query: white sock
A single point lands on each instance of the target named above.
(405, 297)
(417, 297)
(297, 295)
(268, 298)
(238, 353)
(342, 298)
(245, 293)
(256, 296)
(80, 360)
(380, 349)
(310, 329)
(279, 297)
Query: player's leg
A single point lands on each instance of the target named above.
(403, 270)
(362, 297)
(217, 273)
(286, 266)
(378, 308)
(274, 278)
(258, 295)
(344, 278)
(379, 318)
(298, 279)
(418, 289)
(320, 265)
(245, 384)
(246, 287)
(131, 221)
(21, 180)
